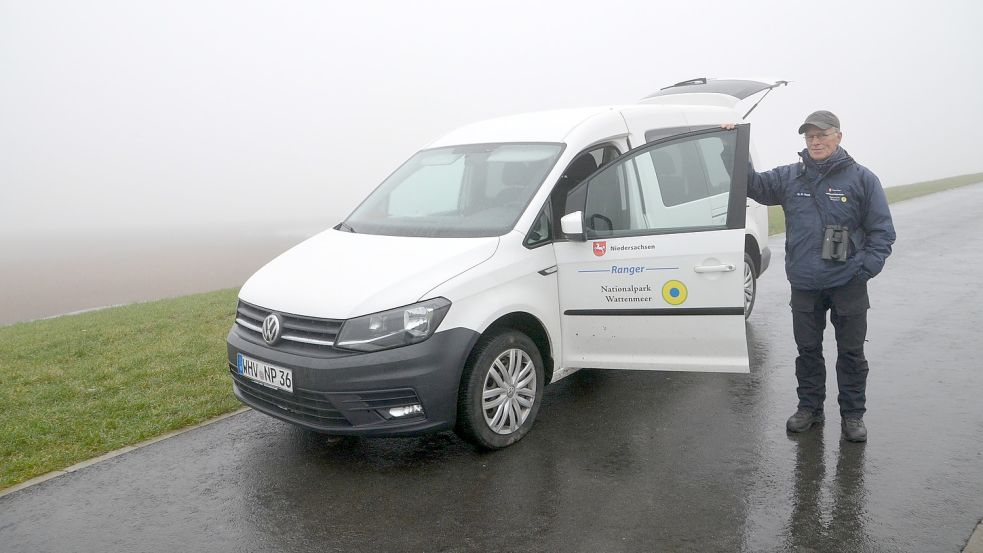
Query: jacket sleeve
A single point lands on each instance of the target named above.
(766, 188)
(878, 227)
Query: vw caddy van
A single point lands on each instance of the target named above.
(503, 257)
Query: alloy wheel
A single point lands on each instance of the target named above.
(509, 391)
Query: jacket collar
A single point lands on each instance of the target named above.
(835, 162)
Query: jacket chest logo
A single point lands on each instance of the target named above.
(836, 195)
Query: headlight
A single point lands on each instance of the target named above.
(394, 328)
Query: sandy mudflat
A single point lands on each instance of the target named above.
(45, 275)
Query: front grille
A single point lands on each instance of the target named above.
(306, 406)
(298, 334)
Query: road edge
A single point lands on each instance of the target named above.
(975, 543)
(115, 453)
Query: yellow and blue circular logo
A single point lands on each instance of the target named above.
(674, 292)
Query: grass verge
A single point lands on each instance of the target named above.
(776, 217)
(78, 386)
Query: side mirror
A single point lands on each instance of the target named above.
(572, 225)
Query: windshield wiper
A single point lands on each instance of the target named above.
(345, 226)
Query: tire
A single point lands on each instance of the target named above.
(750, 285)
(509, 358)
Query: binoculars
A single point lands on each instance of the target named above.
(836, 243)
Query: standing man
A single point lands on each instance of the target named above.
(838, 233)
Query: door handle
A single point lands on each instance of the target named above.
(726, 268)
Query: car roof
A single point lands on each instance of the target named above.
(555, 125)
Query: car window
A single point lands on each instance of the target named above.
(540, 233)
(456, 192)
(430, 190)
(666, 188)
(658, 134)
(579, 169)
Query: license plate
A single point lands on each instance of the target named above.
(266, 374)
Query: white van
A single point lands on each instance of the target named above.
(507, 255)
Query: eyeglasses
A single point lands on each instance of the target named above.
(818, 136)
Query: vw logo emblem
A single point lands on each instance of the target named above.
(271, 328)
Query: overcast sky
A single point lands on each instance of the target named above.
(176, 114)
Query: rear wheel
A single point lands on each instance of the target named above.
(501, 390)
(750, 285)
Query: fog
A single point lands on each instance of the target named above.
(158, 115)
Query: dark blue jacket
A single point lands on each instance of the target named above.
(838, 191)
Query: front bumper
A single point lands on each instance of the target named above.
(351, 393)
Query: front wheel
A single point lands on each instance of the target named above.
(750, 285)
(501, 390)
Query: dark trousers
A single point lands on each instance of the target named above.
(848, 306)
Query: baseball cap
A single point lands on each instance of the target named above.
(822, 119)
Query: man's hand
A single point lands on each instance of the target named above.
(728, 126)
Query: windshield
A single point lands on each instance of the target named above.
(456, 192)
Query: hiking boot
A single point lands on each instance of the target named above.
(854, 430)
(803, 419)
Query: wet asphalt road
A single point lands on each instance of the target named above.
(618, 461)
